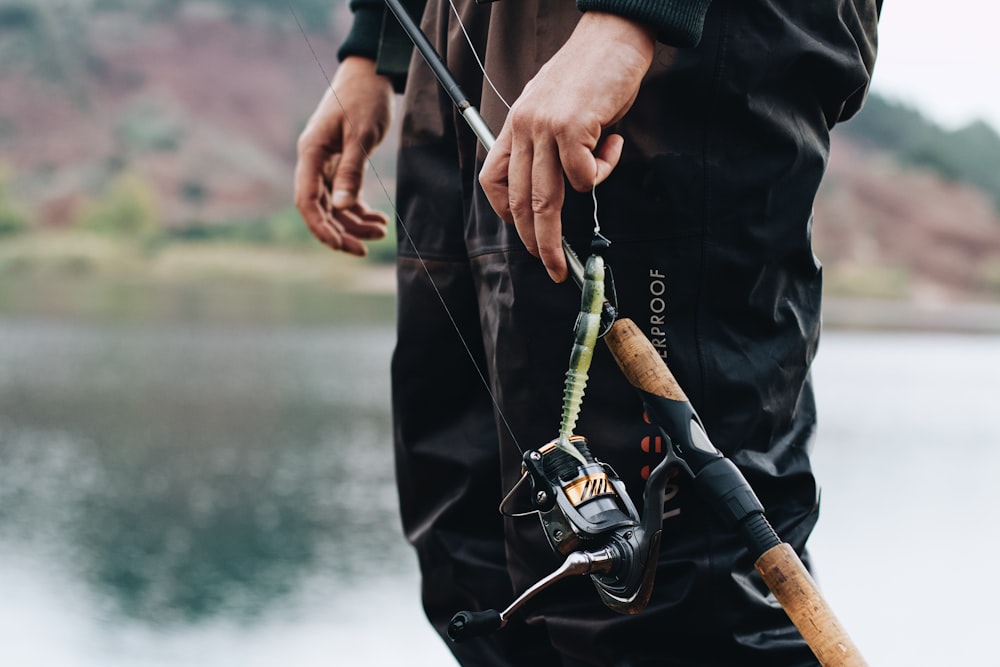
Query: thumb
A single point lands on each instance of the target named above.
(347, 177)
(586, 168)
(607, 156)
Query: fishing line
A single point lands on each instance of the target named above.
(472, 48)
(402, 224)
(597, 223)
(482, 68)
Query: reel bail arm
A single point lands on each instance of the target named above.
(467, 625)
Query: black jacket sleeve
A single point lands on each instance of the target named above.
(366, 29)
(677, 22)
(376, 34)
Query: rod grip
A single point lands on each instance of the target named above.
(467, 625)
(639, 361)
(788, 579)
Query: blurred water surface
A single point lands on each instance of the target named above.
(199, 493)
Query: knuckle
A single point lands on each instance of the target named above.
(306, 143)
(486, 182)
(518, 207)
(348, 176)
(541, 203)
(521, 119)
(364, 136)
(560, 125)
(305, 205)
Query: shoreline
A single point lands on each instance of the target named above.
(855, 314)
(79, 274)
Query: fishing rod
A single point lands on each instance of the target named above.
(583, 505)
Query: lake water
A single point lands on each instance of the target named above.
(209, 494)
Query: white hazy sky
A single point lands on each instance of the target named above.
(941, 57)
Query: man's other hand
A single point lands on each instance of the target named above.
(349, 122)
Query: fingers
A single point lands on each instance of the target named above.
(524, 184)
(340, 228)
(547, 193)
(311, 197)
(523, 178)
(327, 195)
(348, 123)
(493, 177)
(356, 224)
(348, 175)
(345, 229)
(587, 169)
(518, 191)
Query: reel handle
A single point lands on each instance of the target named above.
(467, 625)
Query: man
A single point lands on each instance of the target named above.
(706, 126)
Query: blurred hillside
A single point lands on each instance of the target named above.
(909, 210)
(189, 109)
(177, 119)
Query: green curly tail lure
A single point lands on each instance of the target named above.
(586, 329)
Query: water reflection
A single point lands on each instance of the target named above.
(219, 494)
(187, 473)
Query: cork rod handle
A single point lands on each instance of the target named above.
(779, 566)
(788, 579)
(640, 362)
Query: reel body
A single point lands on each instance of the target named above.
(587, 516)
(577, 504)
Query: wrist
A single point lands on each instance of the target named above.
(678, 23)
(623, 32)
(361, 68)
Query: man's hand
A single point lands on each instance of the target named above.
(555, 126)
(349, 123)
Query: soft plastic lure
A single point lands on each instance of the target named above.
(586, 330)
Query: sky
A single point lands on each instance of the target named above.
(941, 57)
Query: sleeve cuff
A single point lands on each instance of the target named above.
(678, 23)
(377, 35)
(362, 40)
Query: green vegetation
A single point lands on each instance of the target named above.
(867, 281)
(127, 211)
(991, 277)
(150, 127)
(12, 219)
(283, 228)
(85, 275)
(968, 155)
(80, 276)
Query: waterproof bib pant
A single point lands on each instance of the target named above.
(709, 215)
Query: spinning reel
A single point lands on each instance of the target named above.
(587, 514)
(584, 508)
